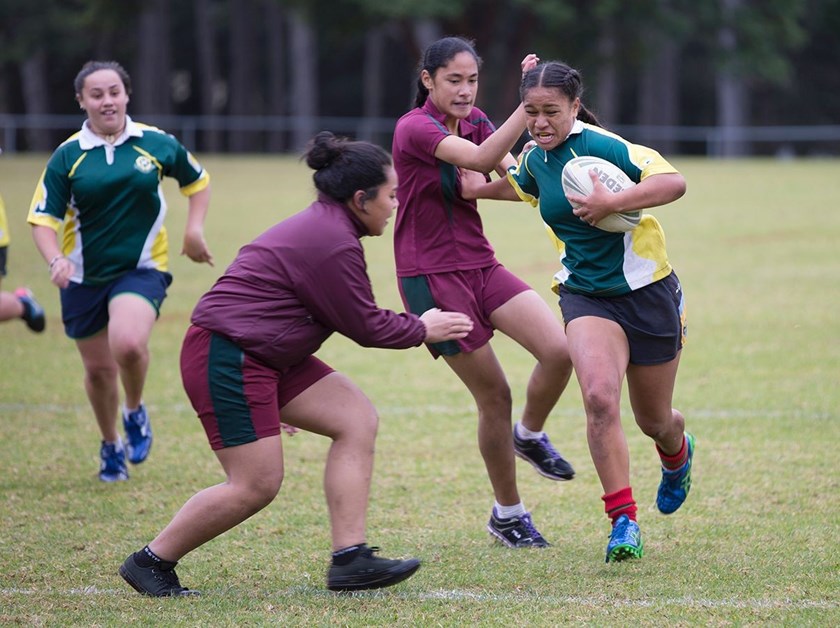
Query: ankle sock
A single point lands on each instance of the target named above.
(345, 555)
(677, 460)
(506, 512)
(127, 410)
(147, 558)
(118, 444)
(526, 434)
(620, 503)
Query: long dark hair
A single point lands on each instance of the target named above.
(437, 55)
(557, 75)
(343, 166)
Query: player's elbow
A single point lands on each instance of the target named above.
(680, 187)
(673, 187)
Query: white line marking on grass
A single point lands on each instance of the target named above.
(457, 596)
(468, 408)
(600, 602)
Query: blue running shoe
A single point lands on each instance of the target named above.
(138, 429)
(675, 484)
(33, 313)
(112, 466)
(625, 540)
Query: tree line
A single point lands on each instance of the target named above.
(650, 63)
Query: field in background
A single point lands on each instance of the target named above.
(755, 244)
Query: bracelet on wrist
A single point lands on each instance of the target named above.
(54, 260)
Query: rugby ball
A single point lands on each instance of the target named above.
(575, 180)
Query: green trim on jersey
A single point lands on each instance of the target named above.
(109, 199)
(594, 261)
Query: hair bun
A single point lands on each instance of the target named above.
(323, 150)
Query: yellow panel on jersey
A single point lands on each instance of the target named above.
(4, 225)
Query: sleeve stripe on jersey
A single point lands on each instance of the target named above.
(519, 192)
(196, 186)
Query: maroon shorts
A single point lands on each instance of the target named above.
(238, 398)
(477, 293)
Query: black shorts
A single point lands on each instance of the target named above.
(3, 254)
(653, 317)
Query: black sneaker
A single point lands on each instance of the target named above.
(154, 581)
(33, 313)
(367, 571)
(545, 459)
(516, 531)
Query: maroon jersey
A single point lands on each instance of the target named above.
(436, 230)
(297, 283)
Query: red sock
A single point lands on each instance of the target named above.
(620, 503)
(675, 461)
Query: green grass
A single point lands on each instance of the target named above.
(755, 244)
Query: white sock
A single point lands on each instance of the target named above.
(506, 512)
(118, 444)
(525, 433)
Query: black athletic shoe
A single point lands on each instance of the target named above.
(544, 457)
(154, 581)
(33, 313)
(516, 532)
(367, 571)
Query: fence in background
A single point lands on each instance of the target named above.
(278, 134)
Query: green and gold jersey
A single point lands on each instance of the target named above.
(595, 262)
(4, 225)
(109, 201)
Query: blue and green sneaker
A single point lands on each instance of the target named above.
(625, 540)
(675, 484)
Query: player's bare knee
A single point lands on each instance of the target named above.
(129, 352)
(261, 491)
(100, 374)
(367, 424)
(359, 426)
(602, 403)
(661, 427)
(495, 402)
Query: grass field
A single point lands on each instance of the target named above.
(756, 246)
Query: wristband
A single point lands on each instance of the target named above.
(54, 260)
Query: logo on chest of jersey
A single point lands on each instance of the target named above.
(144, 164)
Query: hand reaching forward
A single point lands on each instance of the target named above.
(441, 326)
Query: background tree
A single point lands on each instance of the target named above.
(212, 93)
(315, 63)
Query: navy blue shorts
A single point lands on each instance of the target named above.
(653, 318)
(476, 293)
(84, 309)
